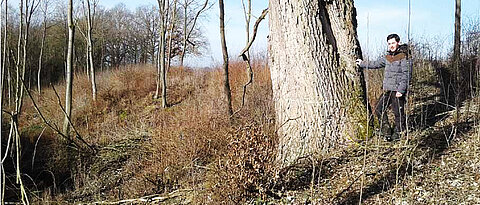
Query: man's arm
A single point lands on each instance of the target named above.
(379, 63)
(405, 77)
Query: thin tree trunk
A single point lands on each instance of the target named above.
(170, 36)
(90, 51)
(2, 56)
(19, 53)
(317, 90)
(69, 71)
(225, 58)
(458, 30)
(184, 41)
(162, 77)
(6, 65)
(30, 7)
(42, 46)
(163, 58)
(19, 97)
(456, 57)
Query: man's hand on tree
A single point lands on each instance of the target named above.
(359, 61)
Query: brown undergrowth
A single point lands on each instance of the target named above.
(192, 147)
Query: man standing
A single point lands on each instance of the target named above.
(395, 85)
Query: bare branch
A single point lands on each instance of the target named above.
(54, 128)
(78, 136)
(255, 28)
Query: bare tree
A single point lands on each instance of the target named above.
(30, 7)
(69, 69)
(189, 24)
(227, 90)
(317, 89)
(147, 19)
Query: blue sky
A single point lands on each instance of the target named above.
(432, 20)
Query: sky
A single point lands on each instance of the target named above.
(431, 20)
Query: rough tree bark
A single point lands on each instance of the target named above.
(318, 91)
(69, 70)
(225, 58)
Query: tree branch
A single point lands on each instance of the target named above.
(77, 135)
(255, 28)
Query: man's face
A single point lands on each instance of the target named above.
(392, 44)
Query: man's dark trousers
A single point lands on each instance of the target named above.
(398, 106)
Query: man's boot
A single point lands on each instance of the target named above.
(385, 131)
(394, 137)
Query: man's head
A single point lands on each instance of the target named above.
(393, 41)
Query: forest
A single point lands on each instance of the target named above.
(99, 106)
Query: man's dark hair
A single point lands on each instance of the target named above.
(393, 35)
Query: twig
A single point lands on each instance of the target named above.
(349, 186)
(450, 106)
(151, 198)
(276, 131)
(35, 149)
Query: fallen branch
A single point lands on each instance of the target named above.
(156, 198)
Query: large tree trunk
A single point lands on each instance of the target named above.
(69, 74)
(318, 91)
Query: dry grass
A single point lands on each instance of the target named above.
(144, 149)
